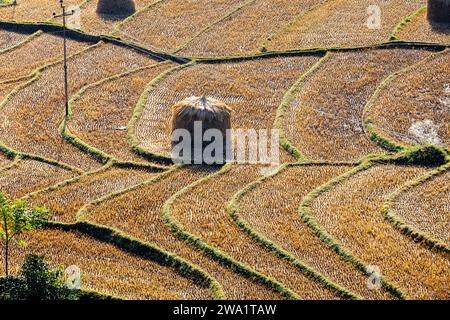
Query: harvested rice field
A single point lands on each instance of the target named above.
(86, 17)
(426, 197)
(66, 199)
(364, 232)
(325, 114)
(138, 212)
(4, 161)
(254, 95)
(27, 176)
(424, 119)
(420, 29)
(175, 22)
(102, 110)
(37, 50)
(252, 24)
(107, 269)
(224, 150)
(344, 23)
(10, 39)
(43, 137)
(275, 217)
(32, 10)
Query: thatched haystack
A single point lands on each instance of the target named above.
(116, 7)
(212, 113)
(439, 11)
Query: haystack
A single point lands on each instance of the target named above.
(116, 7)
(212, 113)
(439, 11)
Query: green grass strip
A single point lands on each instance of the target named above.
(211, 25)
(233, 209)
(310, 221)
(265, 46)
(285, 102)
(373, 133)
(76, 141)
(6, 3)
(144, 250)
(140, 106)
(409, 45)
(403, 226)
(404, 22)
(217, 255)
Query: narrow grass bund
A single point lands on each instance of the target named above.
(158, 158)
(281, 112)
(214, 253)
(406, 228)
(76, 141)
(233, 208)
(305, 213)
(129, 244)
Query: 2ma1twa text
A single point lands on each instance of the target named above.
(226, 309)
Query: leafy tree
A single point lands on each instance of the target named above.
(36, 281)
(15, 219)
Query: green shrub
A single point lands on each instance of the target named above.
(36, 281)
(429, 156)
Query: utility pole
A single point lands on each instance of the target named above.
(66, 82)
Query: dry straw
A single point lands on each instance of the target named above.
(212, 113)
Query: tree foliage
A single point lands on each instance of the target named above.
(15, 219)
(36, 281)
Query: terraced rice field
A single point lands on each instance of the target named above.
(424, 206)
(354, 189)
(363, 230)
(424, 119)
(101, 113)
(47, 111)
(9, 39)
(64, 201)
(4, 161)
(275, 216)
(254, 94)
(38, 50)
(324, 119)
(107, 269)
(87, 19)
(419, 29)
(210, 221)
(33, 10)
(30, 176)
(173, 23)
(252, 24)
(138, 212)
(344, 23)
